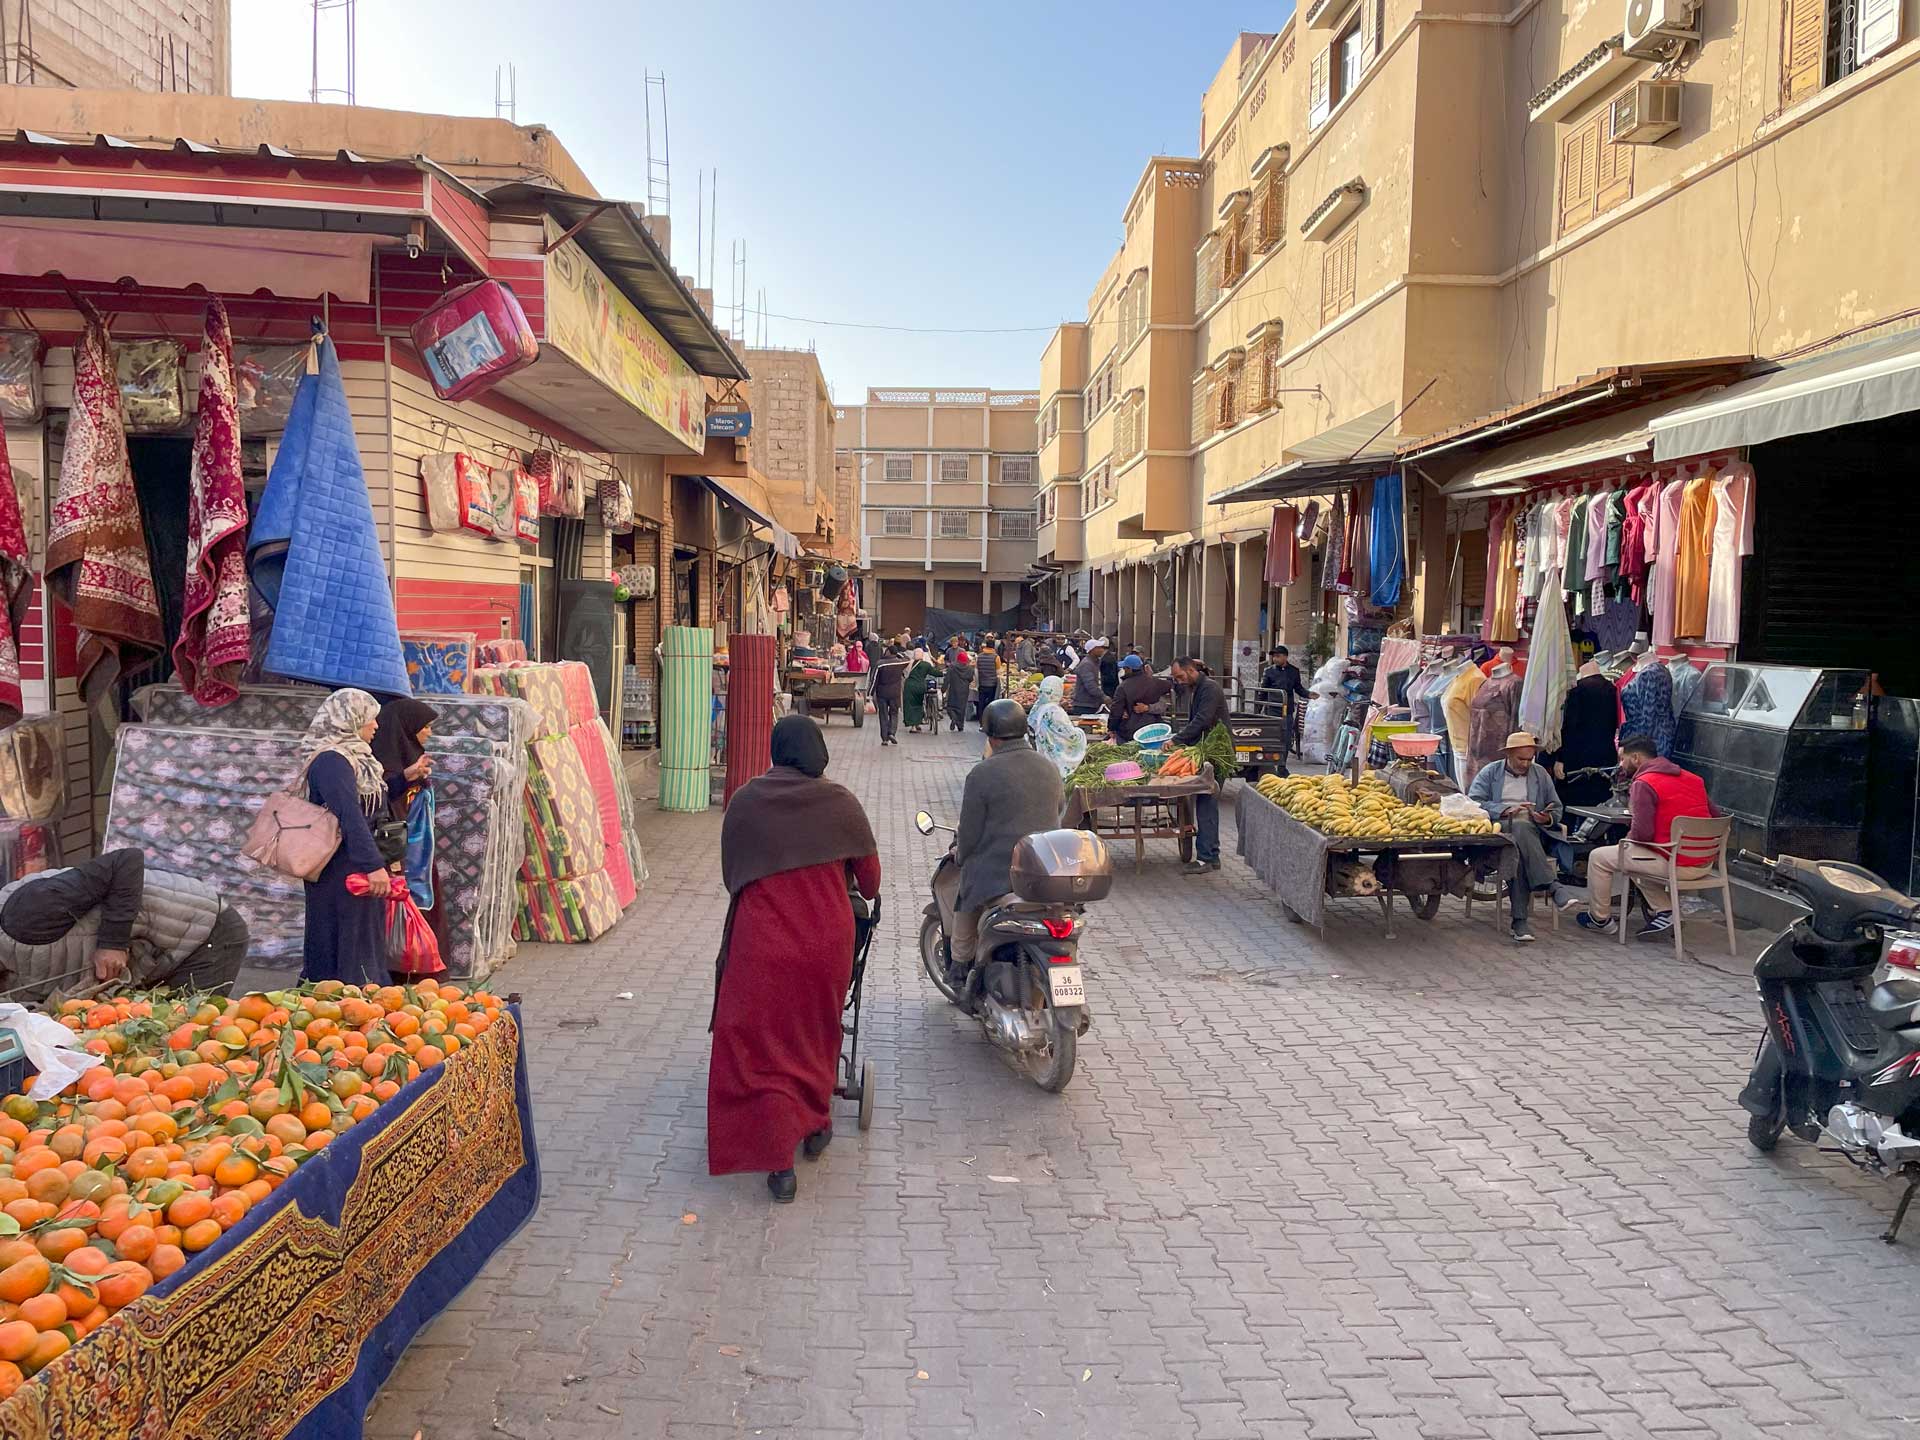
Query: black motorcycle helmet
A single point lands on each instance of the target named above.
(1004, 720)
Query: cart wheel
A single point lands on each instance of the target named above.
(866, 1095)
(858, 710)
(1426, 906)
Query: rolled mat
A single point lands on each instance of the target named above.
(749, 707)
(686, 717)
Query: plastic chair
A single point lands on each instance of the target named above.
(1696, 856)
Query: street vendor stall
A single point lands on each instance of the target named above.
(1149, 809)
(1307, 863)
(283, 1308)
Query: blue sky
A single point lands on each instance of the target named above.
(948, 167)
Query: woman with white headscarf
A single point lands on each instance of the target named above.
(1054, 735)
(345, 935)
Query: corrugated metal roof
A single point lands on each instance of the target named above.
(615, 235)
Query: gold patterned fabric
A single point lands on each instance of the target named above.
(288, 1327)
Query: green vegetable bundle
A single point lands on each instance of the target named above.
(1216, 749)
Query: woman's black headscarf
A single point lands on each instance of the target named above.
(396, 743)
(798, 744)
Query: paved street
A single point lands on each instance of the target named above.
(1302, 1189)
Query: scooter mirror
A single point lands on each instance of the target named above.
(923, 822)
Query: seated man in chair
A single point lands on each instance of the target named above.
(1519, 797)
(1661, 793)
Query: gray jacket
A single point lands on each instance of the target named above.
(1013, 792)
(1087, 695)
(176, 915)
(1486, 787)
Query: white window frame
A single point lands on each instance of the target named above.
(906, 464)
(896, 522)
(966, 470)
(947, 532)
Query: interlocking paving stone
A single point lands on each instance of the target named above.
(1303, 1186)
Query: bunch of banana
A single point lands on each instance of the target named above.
(1367, 811)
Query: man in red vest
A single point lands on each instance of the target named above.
(1661, 793)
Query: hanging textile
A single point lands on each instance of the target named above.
(1388, 564)
(1663, 551)
(213, 646)
(1333, 568)
(1550, 670)
(96, 548)
(1496, 518)
(1635, 530)
(1492, 715)
(16, 588)
(1732, 539)
(686, 717)
(750, 668)
(1589, 720)
(1504, 627)
(1595, 510)
(1691, 570)
(1358, 557)
(1456, 704)
(1646, 705)
(1283, 546)
(1574, 576)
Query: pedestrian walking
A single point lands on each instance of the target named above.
(1206, 708)
(345, 933)
(986, 678)
(913, 694)
(887, 689)
(959, 686)
(791, 845)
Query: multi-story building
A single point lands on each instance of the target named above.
(946, 483)
(791, 429)
(1401, 216)
(182, 45)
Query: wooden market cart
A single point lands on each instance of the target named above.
(1152, 810)
(818, 698)
(1305, 867)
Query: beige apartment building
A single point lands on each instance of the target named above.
(946, 481)
(1401, 215)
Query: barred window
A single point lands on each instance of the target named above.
(1016, 524)
(896, 522)
(1202, 407)
(899, 468)
(1016, 470)
(953, 469)
(1270, 207)
(953, 524)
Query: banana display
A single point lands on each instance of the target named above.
(1367, 811)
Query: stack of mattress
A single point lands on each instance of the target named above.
(582, 865)
(188, 782)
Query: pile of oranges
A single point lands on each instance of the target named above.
(203, 1108)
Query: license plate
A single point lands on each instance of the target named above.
(1065, 984)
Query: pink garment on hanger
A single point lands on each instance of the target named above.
(1664, 553)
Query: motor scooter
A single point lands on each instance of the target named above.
(1025, 985)
(1840, 1059)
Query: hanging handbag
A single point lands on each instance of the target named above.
(292, 835)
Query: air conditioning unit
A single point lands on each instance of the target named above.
(1654, 26)
(1646, 111)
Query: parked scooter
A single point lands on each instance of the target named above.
(1026, 986)
(1841, 1056)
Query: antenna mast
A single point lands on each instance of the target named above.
(506, 93)
(346, 9)
(659, 167)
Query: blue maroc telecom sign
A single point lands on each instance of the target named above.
(734, 424)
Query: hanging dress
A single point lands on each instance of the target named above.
(1665, 559)
(1694, 560)
(1732, 538)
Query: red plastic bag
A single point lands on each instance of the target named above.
(411, 946)
(472, 338)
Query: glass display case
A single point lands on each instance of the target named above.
(1784, 750)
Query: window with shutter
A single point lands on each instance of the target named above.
(1338, 272)
(1233, 251)
(1317, 103)
(1579, 159)
(1613, 167)
(1254, 399)
(1369, 31)
(1878, 23)
(1271, 210)
(1803, 43)
(1202, 407)
(1206, 274)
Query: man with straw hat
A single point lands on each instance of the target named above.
(1519, 797)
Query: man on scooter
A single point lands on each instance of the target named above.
(1661, 793)
(1012, 793)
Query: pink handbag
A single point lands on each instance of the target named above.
(292, 835)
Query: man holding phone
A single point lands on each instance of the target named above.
(1519, 797)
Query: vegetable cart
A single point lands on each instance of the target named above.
(1305, 867)
(1152, 809)
(818, 698)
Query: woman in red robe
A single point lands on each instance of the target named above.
(790, 846)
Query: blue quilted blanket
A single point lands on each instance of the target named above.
(314, 553)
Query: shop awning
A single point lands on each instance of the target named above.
(733, 492)
(1620, 437)
(614, 234)
(1863, 382)
(1357, 449)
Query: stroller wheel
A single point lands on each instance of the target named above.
(866, 1095)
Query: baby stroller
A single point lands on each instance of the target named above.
(866, 919)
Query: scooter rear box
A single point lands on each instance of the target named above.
(1061, 867)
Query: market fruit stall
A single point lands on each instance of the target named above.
(1312, 837)
(1122, 792)
(245, 1211)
